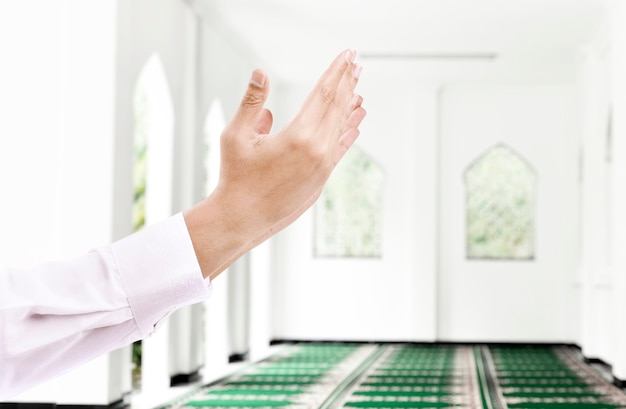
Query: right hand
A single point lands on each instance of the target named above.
(268, 180)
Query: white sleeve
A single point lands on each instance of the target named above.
(60, 315)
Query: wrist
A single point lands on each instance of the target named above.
(219, 233)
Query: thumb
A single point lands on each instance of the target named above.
(253, 100)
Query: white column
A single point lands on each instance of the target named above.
(595, 277)
(155, 375)
(186, 325)
(216, 329)
(238, 306)
(259, 321)
(61, 101)
(618, 93)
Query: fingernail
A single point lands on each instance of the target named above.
(257, 79)
(349, 55)
(356, 71)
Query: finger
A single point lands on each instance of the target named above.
(349, 136)
(334, 122)
(325, 91)
(356, 117)
(337, 121)
(355, 102)
(250, 110)
(265, 121)
(345, 90)
(345, 142)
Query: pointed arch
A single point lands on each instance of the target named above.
(348, 214)
(153, 143)
(500, 205)
(153, 112)
(214, 124)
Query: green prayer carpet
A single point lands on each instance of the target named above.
(418, 376)
(530, 377)
(379, 376)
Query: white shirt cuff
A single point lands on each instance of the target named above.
(159, 271)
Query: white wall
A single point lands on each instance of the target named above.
(391, 298)
(511, 300)
(55, 144)
(396, 297)
(604, 196)
(56, 150)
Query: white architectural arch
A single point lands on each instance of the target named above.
(153, 141)
(153, 113)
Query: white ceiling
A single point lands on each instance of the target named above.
(295, 38)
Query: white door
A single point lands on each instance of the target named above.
(482, 298)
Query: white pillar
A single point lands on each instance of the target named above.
(595, 274)
(63, 53)
(618, 93)
(238, 307)
(259, 321)
(216, 329)
(155, 375)
(186, 325)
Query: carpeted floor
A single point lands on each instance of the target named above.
(417, 377)
(549, 377)
(329, 375)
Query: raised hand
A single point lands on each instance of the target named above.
(268, 180)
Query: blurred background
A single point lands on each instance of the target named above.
(483, 201)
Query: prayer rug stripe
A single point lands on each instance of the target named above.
(235, 403)
(257, 392)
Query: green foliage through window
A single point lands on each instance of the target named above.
(500, 194)
(142, 114)
(348, 215)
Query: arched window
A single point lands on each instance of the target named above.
(500, 205)
(348, 214)
(213, 125)
(153, 140)
(153, 145)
